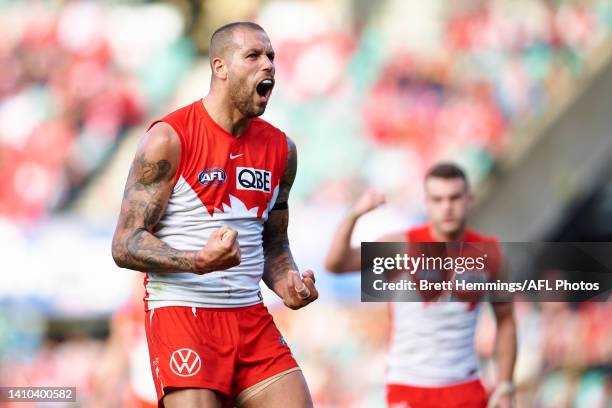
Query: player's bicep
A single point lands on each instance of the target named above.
(288, 177)
(275, 227)
(150, 180)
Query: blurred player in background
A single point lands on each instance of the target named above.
(205, 215)
(432, 361)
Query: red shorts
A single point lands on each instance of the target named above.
(225, 350)
(466, 395)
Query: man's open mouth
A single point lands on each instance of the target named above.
(264, 88)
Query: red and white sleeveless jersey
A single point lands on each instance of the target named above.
(221, 180)
(432, 343)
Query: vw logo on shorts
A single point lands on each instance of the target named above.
(185, 362)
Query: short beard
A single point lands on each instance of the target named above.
(242, 99)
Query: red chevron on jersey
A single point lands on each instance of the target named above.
(223, 170)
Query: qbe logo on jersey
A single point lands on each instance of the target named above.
(185, 362)
(248, 178)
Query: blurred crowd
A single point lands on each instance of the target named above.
(371, 92)
(73, 80)
(383, 101)
(355, 90)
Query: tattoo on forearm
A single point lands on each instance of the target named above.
(278, 259)
(143, 208)
(148, 252)
(277, 253)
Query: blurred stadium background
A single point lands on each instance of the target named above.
(519, 92)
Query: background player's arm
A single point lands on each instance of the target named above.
(280, 271)
(505, 341)
(147, 190)
(341, 256)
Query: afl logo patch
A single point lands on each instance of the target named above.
(212, 176)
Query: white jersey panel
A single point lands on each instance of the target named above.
(432, 344)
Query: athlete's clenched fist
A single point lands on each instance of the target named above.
(300, 290)
(368, 201)
(220, 252)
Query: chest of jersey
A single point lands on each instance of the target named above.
(226, 172)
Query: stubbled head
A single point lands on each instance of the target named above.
(242, 64)
(447, 198)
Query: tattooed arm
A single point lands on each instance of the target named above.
(148, 188)
(280, 271)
